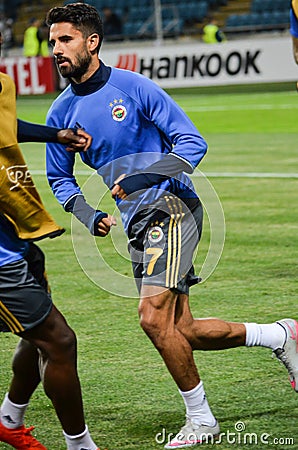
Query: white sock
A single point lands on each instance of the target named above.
(197, 408)
(80, 441)
(271, 335)
(12, 415)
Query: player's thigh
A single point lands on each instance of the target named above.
(157, 310)
(53, 336)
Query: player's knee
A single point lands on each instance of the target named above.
(67, 343)
(62, 347)
(149, 321)
(155, 329)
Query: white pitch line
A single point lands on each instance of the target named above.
(206, 174)
(216, 108)
(246, 175)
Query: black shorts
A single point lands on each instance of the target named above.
(162, 241)
(25, 298)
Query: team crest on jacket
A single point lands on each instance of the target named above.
(155, 235)
(119, 111)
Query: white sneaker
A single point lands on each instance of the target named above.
(192, 434)
(288, 355)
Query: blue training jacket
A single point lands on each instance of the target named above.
(134, 123)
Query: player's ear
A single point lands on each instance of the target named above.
(93, 42)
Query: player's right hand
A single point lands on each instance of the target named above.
(117, 190)
(105, 225)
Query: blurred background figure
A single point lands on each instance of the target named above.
(43, 37)
(294, 28)
(36, 39)
(112, 25)
(31, 41)
(6, 28)
(212, 34)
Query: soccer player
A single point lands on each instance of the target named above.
(143, 144)
(47, 348)
(294, 27)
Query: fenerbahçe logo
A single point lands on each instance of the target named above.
(119, 111)
(155, 234)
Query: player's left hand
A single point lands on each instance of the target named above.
(77, 141)
(117, 190)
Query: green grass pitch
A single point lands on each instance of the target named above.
(129, 397)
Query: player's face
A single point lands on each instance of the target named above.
(70, 50)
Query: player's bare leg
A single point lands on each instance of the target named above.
(57, 345)
(157, 318)
(25, 380)
(26, 373)
(167, 320)
(55, 364)
(157, 312)
(216, 334)
(210, 333)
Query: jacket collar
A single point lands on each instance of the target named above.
(94, 83)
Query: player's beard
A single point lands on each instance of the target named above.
(78, 68)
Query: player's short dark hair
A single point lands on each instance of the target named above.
(82, 16)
